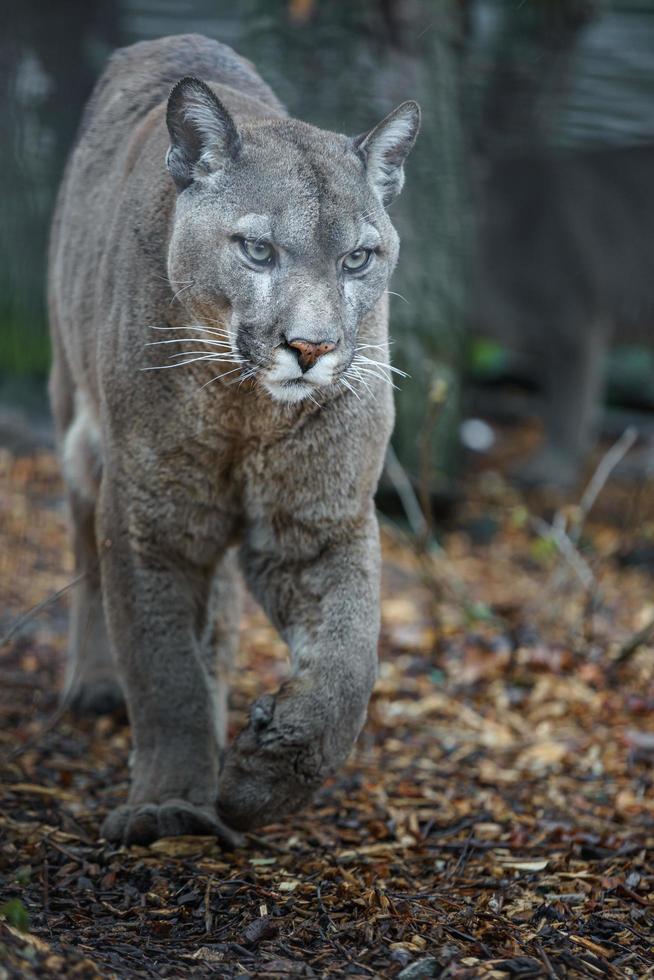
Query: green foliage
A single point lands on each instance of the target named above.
(24, 346)
(519, 516)
(544, 550)
(15, 913)
(23, 875)
(478, 612)
(485, 357)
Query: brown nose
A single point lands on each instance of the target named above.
(308, 352)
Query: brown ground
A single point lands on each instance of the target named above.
(496, 820)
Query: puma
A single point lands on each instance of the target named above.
(221, 390)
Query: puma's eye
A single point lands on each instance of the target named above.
(258, 251)
(357, 260)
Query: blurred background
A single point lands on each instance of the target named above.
(526, 282)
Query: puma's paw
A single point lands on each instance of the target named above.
(277, 763)
(97, 696)
(255, 790)
(146, 822)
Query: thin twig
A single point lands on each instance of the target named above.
(567, 549)
(404, 489)
(208, 914)
(637, 640)
(439, 392)
(25, 617)
(597, 482)
(545, 960)
(567, 539)
(47, 726)
(22, 620)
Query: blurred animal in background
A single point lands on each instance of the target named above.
(564, 257)
(566, 267)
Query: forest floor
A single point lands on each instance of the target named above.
(495, 820)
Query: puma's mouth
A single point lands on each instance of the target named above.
(289, 390)
(286, 381)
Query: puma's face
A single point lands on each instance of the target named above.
(281, 240)
(289, 251)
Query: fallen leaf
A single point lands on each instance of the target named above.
(183, 846)
(525, 865)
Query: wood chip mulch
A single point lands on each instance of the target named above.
(496, 819)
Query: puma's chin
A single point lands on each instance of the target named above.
(292, 390)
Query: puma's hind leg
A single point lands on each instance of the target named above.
(91, 685)
(220, 637)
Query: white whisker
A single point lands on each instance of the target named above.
(213, 320)
(173, 281)
(192, 360)
(217, 356)
(218, 376)
(383, 346)
(354, 373)
(361, 358)
(375, 374)
(314, 400)
(182, 290)
(399, 296)
(245, 377)
(347, 384)
(220, 331)
(366, 368)
(369, 214)
(188, 340)
(192, 326)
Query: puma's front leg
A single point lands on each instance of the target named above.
(326, 606)
(156, 607)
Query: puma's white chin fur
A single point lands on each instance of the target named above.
(286, 382)
(288, 391)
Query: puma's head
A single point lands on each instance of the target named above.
(281, 236)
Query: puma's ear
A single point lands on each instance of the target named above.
(202, 132)
(385, 148)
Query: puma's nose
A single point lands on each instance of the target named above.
(308, 352)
